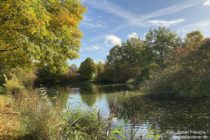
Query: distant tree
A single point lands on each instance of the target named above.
(130, 53)
(115, 56)
(88, 69)
(100, 68)
(193, 39)
(128, 61)
(162, 41)
(73, 68)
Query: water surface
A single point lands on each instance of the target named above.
(142, 118)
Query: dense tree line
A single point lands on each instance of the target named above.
(136, 58)
(164, 63)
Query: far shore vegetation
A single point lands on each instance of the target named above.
(163, 65)
(38, 37)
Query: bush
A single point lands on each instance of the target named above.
(18, 79)
(121, 75)
(13, 85)
(187, 77)
(25, 76)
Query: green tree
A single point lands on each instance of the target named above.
(130, 53)
(42, 31)
(100, 68)
(162, 41)
(73, 68)
(193, 39)
(128, 61)
(88, 69)
(188, 77)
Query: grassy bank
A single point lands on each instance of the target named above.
(9, 119)
(33, 116)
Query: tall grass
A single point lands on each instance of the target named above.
(83, 126)
(9, 124)
(41, 120)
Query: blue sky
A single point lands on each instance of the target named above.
(109, 22)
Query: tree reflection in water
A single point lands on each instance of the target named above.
(142, 116)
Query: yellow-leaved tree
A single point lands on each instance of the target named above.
(41, 32)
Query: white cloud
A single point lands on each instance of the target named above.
(94, 24)
(132, 19)
(135, 19)
(173, 9)
(133, 35)
(206, 3)
(113, 39)
(111, 8)
(203, 26)
(166, 23)
(91, 48)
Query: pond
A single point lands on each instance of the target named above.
(142, 118)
